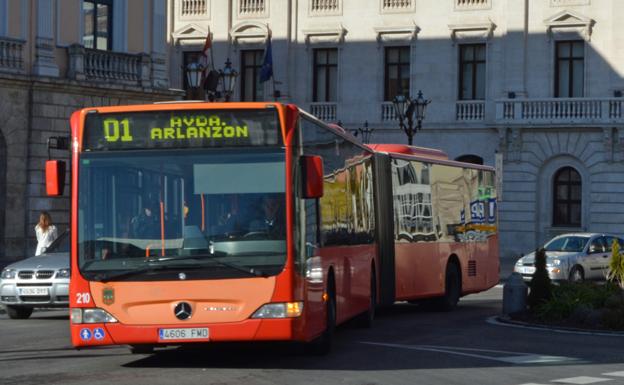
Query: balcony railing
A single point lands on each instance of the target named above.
(472, 4)
(324, 111)
(324, 7)
(194, 8)
(115, 67)
(11, 55)
(470, 111)
(388, 113)
(251, 7)
(397, 5)
(560, 110)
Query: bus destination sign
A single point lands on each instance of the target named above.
(181, 129)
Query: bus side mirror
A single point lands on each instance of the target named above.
(55, 177)
(312, 176)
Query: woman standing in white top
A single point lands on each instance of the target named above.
(46, 232)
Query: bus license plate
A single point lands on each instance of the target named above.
(183, 334)
(33, 291)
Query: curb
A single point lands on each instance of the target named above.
(503, 320)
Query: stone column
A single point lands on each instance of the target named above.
(159, 47)
(45, 64)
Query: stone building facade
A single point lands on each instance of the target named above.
(65, 62)
(531, 87)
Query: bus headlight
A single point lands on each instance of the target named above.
(279, 310)
(91, 316)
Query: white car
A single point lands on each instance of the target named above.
(41, 281)
(573, 257)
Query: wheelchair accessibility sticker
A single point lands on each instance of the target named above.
(98, 334)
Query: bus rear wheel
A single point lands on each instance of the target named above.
(366, 319)
(452, 289)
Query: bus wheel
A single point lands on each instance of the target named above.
(141, 349)
(322, 345)
(452, 290)
(366, 319)
(19, 312)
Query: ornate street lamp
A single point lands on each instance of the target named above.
(194, 73)
(405, 108)
(366, 132)
(228, 79)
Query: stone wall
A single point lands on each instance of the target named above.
(31, 112)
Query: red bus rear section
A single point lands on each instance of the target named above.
(206, 222)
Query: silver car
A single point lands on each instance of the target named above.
(41, 281)
(573, 257)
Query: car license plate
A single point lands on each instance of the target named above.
(183, 334)
(529, 270)
(33, 291)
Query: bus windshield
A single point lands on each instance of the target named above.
(153, 214)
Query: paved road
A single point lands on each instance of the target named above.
(408, 345)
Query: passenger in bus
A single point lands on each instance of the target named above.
(146, 224)
(271, 221)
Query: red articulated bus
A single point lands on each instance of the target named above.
(196, 222)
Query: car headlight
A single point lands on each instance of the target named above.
(8, 274)
(91, 316)
(553, 262)
(279, 310)
(63, 273)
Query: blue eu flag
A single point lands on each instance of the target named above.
(266, 71)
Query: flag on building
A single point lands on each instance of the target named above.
(204, 55)
(266, 71)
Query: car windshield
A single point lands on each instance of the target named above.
(146, 214)
(60, 244)
(569, 243)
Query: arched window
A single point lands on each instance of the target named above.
(470, 159)
(567, 198)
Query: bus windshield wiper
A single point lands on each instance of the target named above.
(216, 257)
(103, 277)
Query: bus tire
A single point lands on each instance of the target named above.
(322, 345)
(452, 289)
(366, 319)
(19, 312)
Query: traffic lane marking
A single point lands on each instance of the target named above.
(515, 358)
(581, 380)
(614, 374)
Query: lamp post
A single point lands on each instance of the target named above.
(366, 132)
(228, 79)
(406, 110)
(194, 73)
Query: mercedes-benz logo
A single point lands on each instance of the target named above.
(183, 311)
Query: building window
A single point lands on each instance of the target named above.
(569, 76)
(188, 58)
(472, 72)
(251, 88)
(98, 24)
(567, 198)
(396, 72)
(325, 75)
